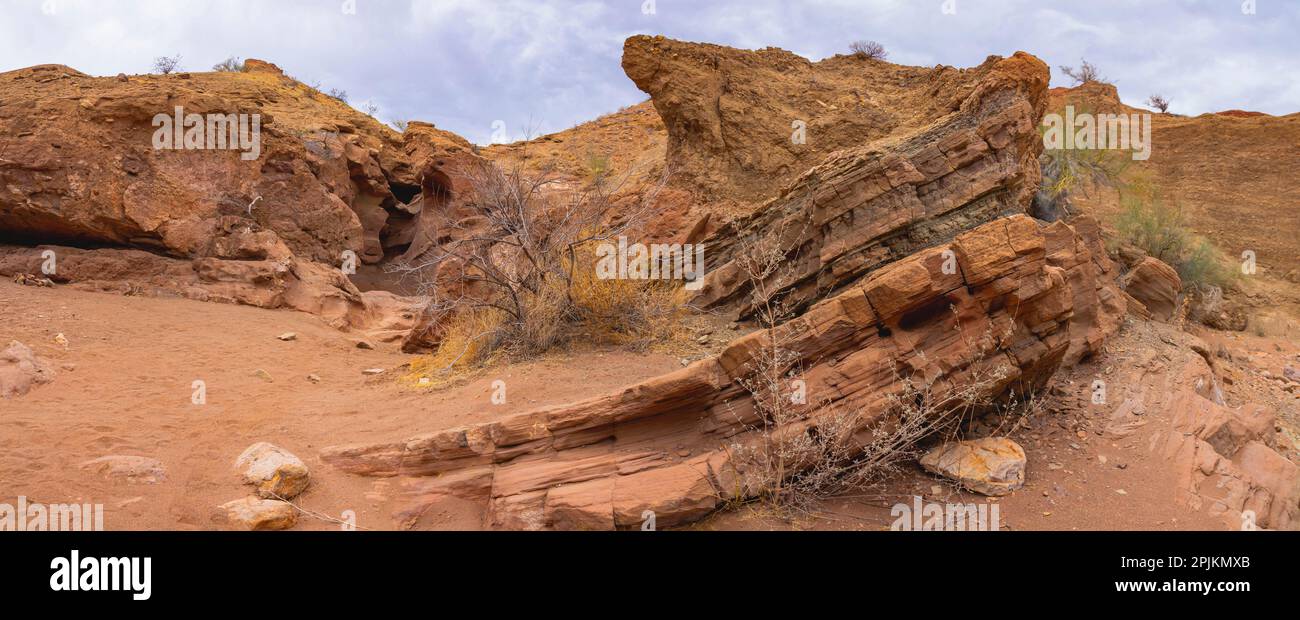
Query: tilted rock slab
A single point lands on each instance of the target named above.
(274, 281)
(1227, 467)
(868, 206)
(663, 446)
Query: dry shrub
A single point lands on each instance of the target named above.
(467, 343)
(1086, 73)
(1158, 102)
(868, 50)
(1161, 231)
(1069, 171)
(633, 313)
(518, 276)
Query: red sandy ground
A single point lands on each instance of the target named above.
(133, 360)
(123, 388)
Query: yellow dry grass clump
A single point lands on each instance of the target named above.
(580, 310)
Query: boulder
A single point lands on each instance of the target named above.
(275, 472)
(20, 369)
(1156, 285)
(254, 514)
(990, 465)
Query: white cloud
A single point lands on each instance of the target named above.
(547, 65)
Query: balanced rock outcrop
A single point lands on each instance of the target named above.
(746, 123)
(667, 446)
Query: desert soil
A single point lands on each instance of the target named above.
(123, 387)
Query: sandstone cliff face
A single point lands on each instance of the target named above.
(887, 197)
(663, 445)
(731, 114)
(267, 219)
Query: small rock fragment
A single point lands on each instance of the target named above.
(254, 513)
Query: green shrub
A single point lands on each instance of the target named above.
(1161, 231)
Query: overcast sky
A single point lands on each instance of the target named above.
(545, 65)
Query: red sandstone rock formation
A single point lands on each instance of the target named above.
(900, 189)
(265, 222)
(1155, 285)
(664, 445)
(731, 114)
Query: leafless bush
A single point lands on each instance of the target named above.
(232, 64)
(1158, 102)
(517, 273)
(1086, 73)
(341, 95)
(399, 124)
(167, 64)
(868, 50)
(370, 108)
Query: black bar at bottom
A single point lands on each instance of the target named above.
(501, 569)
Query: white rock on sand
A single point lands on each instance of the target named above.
(273, 470)
(255, 513)
(990, 466)
(20, 369)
